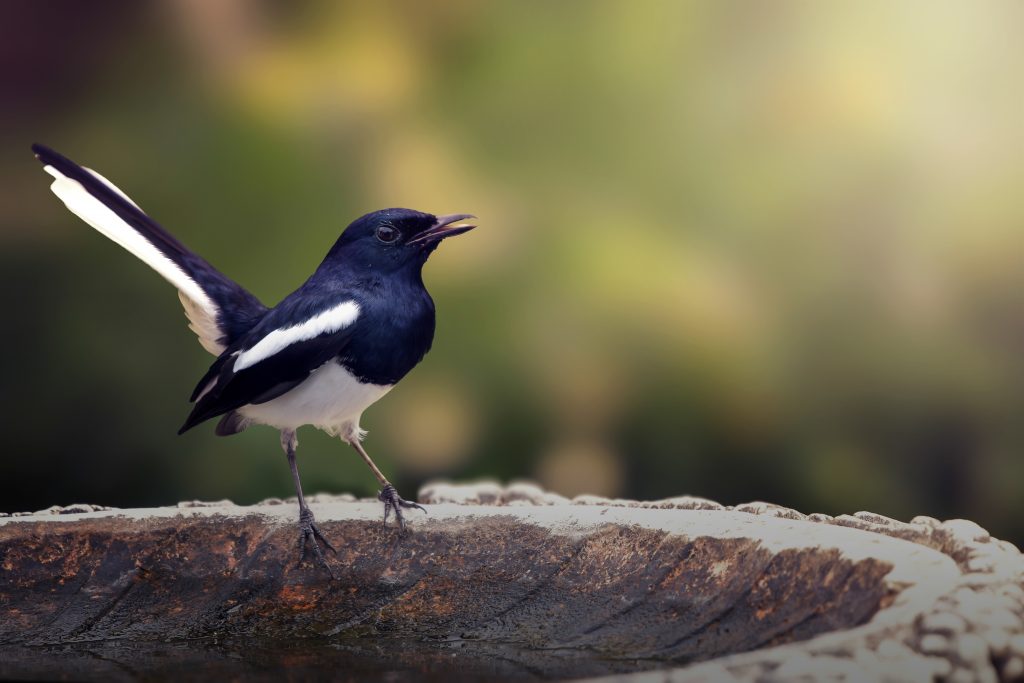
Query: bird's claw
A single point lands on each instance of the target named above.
(309, 534)
(392, 501)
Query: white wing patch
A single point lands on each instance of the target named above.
(331, 320)
(200, 309)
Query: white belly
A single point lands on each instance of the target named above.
(330, 399)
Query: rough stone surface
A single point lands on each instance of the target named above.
(520, 581)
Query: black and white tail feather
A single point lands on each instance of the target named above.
(219, 310)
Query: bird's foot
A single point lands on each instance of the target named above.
(392, 501)
(309, 534)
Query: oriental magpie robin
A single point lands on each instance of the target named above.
(320, 357)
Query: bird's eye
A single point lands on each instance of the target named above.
(387, 234)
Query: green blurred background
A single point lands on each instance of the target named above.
(742, 250)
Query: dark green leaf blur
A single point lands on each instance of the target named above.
(741, 250)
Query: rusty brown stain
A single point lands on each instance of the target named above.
(293, 597)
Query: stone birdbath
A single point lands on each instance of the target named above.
(507, 583)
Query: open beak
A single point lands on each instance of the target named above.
(443, 228)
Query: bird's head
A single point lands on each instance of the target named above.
(395, 239)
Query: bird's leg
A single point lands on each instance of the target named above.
(387, 494)
(309, 532)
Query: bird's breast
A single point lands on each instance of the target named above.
(331, 398)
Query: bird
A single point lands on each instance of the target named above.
(321, 356)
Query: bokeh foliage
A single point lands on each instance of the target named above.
(736, 249)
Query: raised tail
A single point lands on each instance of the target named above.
(219, 310)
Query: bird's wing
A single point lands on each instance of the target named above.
(292, 341)
(219, 310)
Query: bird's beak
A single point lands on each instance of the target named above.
(443, 228)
